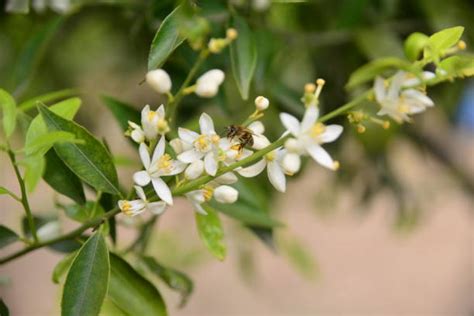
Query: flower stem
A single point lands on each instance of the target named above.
(24, 196)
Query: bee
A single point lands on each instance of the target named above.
(241, 133)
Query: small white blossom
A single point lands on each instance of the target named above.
(194, 170)
(154, 122)
(226, 194)
(159, 80)
(135, 207)
(136, 133)
(208, 84)
(204, 145)
(411, 80)
(49, 231)
(309, 135)
(291, 163)
(157, 166)
(261, 103)
(397, 103)
(205, 194)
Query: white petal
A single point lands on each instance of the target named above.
(206, 124)
(276, 176)
(159, 150)
(331, 133)
(176, 167)
(291, 123)
(157, 208)
(395, 85)
(141, 178)
(309, 118)
(190, 155)
(196, 196)
(257, 127)
(226, 194)
(194, 170)
(379, 89)
(187, 135)
(140, 192)
(291, 163)
(199, 209)
(418, 96)
(227, 178)
(161, 111)
(144, 155)
(253, 170)
(320, 155)
(210, 163)
(162, 190)
(260, 142)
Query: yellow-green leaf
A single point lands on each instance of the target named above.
(211, 232)
(8, 105)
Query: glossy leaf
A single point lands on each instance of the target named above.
(34, 169)
(131, 292)
(46, 98)
(4, 308)
(211, 232)
(243, 56)
(7, 236)
(377, 67)
(122, 112)
(83, 213)
(62, 267)
(247, 214)
(8, 106)
(91, 161)
(442, 40)
(414, 45)
(86, 283)
(110, 309)
(166, 40)
(176, 280)
(62, 179)
(40, 145)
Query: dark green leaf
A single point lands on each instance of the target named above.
(8, 106)
(131, 292)
(166, 40)
(87, 279)
(62, 267)
(91, 162)
(122, 112)
(4, 308)
(7, 236)
(414, 45)
(247, 214)
(62, 179)
(108, 201)
(83, 213)
(176, 280)
(243, 56)
(211, 232)
(379, 42)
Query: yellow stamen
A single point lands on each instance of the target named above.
(309, 88)
(270, 156)
(360, 129)
(336, 165)
(231, 34)
(215, 139)
(317, 129)
(462, 45)
(162, 126)
(207, 192)
(165, 163)
(151, 115)
(403, 108)
(202, 143)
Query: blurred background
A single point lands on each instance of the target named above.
(391, 233)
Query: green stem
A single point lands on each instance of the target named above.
(346, 107)
(24, 196)
(173, 104)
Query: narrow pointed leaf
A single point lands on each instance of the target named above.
(131, 292)
(86, 283)
(445, 39)
(247, 214)
(62, 267)
(211, 232)
(8, 106)
(243, 56)
(89, 161)
(7, 236)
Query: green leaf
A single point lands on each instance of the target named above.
(378, 42)
(40, 145)
(176, 280)
(414, 45)
(83, 213)
(247, 214)
(62, 179)
(166, 40)
(34, 169)
(442, 40)
(122, 112)
(243, 56)
(7, 236)
(4, 308)
(458, 66)
(62, 267)
(300, 258)
(131, 292)
(48, 97)
(211, 232)
(87, 279)
(91, 162)
(110, 309)
(8, 105)
(371, 70)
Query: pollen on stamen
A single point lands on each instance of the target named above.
(336, 165)
(309, 88)
(361, 129)
(462, 45)
(386, 124)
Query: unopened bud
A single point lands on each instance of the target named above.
(291, 163)
(227, 178)
(208, 84)
(159, 80)
(462, 45)
(309, 88)
(194, 170)
(261, 103)
(177, 145)
(226, 194)
(257, 127)
(49, 231)
(231, 34)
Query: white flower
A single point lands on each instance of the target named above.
(411, 80)
(226, 194)
(159, 80)
(194, 170)
(272, 161)
(310, 134)
(204, 145)
(291, 163)
(208, 84)
(261, 103)
(197, 197)
(49, 231)
(157, 166)
(399, 104)
(137, 133)
(154, 122)
(135, 207)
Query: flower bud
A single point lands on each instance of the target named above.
(135, 132)
(291, 163)
(260, 142)
(208, 84)
(226, 194)
(231, 34)
(227, 178)
(194, 170)
(257, 127)
(49, 231)
(261, 103)
(177, 145)
(159, 80)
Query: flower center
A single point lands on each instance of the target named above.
(207, 192)
(151, 115)
(202, 143)
(270, 156)
(215, 139)
(162, 126)
(165, 163)
(317, 130)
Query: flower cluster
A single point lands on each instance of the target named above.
(194, 154)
